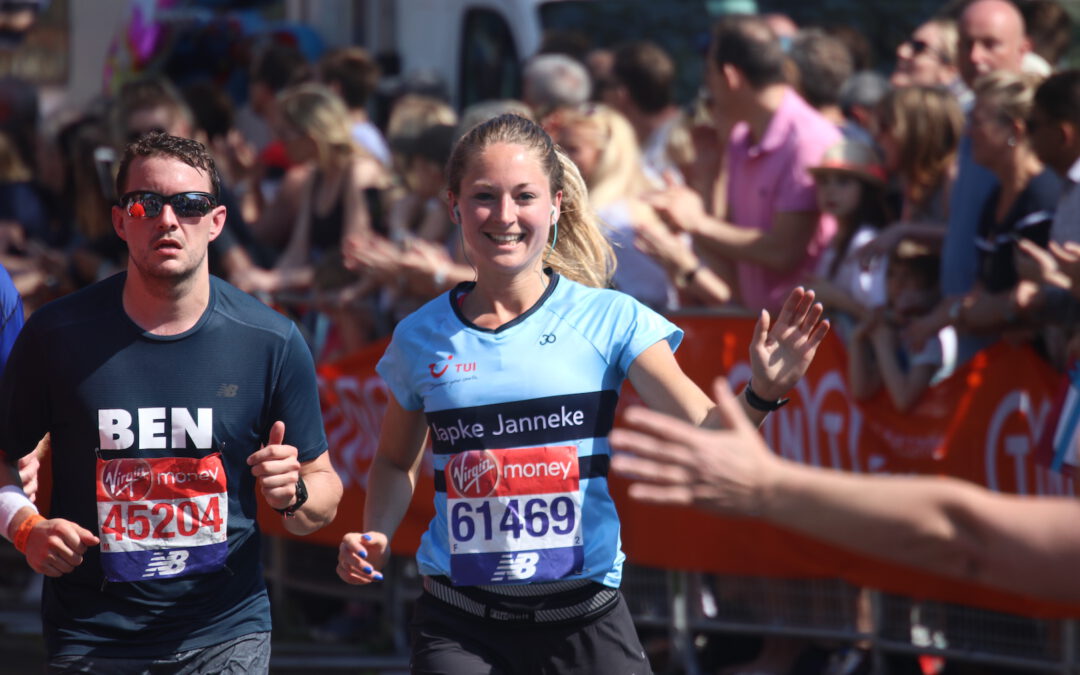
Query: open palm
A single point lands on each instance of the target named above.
(781, 352)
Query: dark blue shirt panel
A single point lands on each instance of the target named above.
(81, 355)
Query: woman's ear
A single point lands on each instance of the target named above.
(455, 212)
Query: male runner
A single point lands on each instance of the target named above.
(169, 396)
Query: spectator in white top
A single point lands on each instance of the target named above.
(644, 92)
(353, 75)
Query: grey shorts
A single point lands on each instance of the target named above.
(239, 656)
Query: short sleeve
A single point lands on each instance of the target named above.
(23, 397)
(393, 367)
(11, 316)
(295, 400)
(644, 328)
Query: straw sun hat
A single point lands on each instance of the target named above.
(854, 158)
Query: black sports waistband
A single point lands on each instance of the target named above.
(565, 606)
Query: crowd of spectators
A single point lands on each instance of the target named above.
(930, 207)
(711, 202)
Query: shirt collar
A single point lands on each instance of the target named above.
(776, 131)
(1074, 171)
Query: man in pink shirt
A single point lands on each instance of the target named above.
(773, 232)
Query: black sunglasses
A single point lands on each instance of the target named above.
(146, 204)
(922, 46)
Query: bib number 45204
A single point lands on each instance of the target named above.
(163, 520)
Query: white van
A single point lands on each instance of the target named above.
(477, 46)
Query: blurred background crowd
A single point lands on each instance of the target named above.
(922, 188)
(898, 183)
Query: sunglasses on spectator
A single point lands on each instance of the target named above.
(146, 204)
(922, 46)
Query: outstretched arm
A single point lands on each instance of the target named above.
(391, 483)
(1028, 545)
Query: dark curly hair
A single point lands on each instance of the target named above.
(157, 144)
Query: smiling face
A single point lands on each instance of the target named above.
(506, 209)
(167, 247)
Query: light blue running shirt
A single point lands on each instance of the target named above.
(519, 418)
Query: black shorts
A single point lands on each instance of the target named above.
(449, 641)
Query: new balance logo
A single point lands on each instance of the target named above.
(516, 566)
(228, 390)
(166, 564)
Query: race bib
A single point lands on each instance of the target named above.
(162, 517)
(514, 515)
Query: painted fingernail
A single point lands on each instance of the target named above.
(367, 570)
(362, 554)
(378, 577)
(366, 537)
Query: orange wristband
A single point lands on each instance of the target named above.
(23, 532)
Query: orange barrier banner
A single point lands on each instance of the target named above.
(982, 424)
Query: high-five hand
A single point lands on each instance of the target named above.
(673, 462)
(781, 353)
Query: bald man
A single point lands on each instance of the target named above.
(992, 37)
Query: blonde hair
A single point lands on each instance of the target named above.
(317, 112)
(12, 168)
(581, 252)
(948, 39)
(618, 173)
(413, 113)
(1011, 94)
(927, 123)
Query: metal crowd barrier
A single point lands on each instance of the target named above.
(686, 606)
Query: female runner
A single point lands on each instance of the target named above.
(516, 377)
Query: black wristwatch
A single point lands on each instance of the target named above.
(758, 403)
(301, 498)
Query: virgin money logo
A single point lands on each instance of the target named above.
(439, 368)
(127, 480)
(474, 473)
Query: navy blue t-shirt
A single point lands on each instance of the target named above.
(150, 440)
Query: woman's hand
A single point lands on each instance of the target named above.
(361, 555)
(781, 353)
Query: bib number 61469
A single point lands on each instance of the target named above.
(533, 517)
